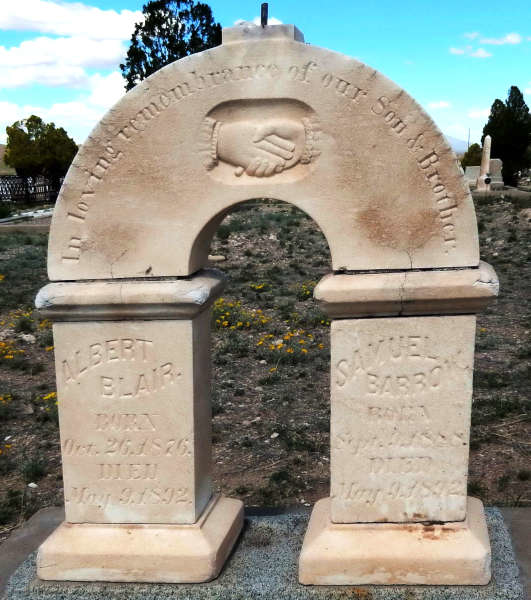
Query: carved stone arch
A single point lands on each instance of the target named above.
(368, 164)
(265, 116)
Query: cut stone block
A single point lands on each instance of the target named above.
(115, 300)
(134, 419)
(390, 553)
(263, 567)
(401, 393)
(357, 153)
(454, 291)
(162, 553)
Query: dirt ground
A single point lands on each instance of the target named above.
(270, 391)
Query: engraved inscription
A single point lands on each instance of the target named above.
(403, 412)
(356, 492)
(381, 107)
(358, 445)
(398, 446)
(158, 495)
(411, 350)
(128, 495)
(136, 385)
(125, 422)
(127, 471)
(264, 145)
(133, 447)
(399, 464)
(127, 435)
(426, 163)
(100, 353)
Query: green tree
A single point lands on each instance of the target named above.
(509, 126)
(171, 30)
(472, 157)
(37, 148)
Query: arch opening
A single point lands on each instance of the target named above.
(271, 413)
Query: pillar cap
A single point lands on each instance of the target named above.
(124, 299)
(249, 32)
(403, 293)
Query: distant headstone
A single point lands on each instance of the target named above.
(471, 175)
(495, 174)
(265, 116)
(496, 179)
(483, 184)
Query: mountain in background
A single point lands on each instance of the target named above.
(458, 146)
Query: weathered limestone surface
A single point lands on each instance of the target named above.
(264, 567)
(261, 116)
(133, 382)
(265, 115)
(400, 418)
(402, 293)
(134, 419)
(164, 553)
(387, 553)
(118, 300)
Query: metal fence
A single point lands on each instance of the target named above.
(27, 190)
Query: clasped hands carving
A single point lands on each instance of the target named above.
(261, 149)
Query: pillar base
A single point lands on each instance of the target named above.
(395, 553)
(149, 553)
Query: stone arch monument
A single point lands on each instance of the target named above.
(265, 115)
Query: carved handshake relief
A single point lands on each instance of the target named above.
(259, 148)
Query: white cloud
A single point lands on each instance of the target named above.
(440, 104)
(472, 35)
(510, 38)
(528, 89)
(77, 116)
(468, 50)
(91, 38)
(57, 61)
(480, 53)
(68, 19)
(480, 113)
(105, 91)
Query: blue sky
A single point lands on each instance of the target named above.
(60, 59)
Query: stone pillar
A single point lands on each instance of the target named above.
(402, 353)
(133, 385)
(483, 184)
